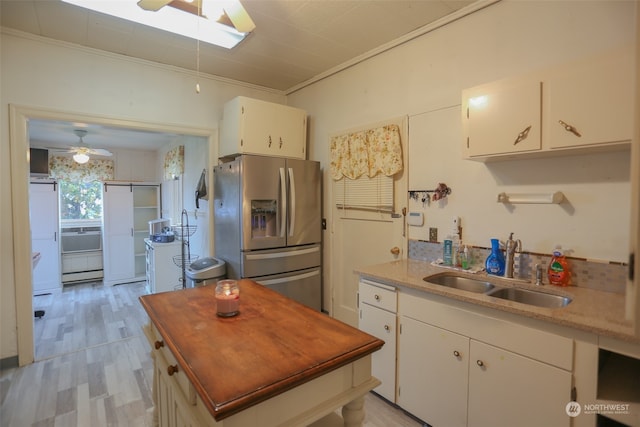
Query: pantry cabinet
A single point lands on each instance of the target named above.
(377, 316)
(253, 126)
(575, 107)
(128, 208)
(43, 213)
(461, 368)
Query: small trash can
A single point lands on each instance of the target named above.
(205, 271)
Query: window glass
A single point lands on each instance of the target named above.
(80, 202)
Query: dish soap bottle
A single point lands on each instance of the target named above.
(558, 271)
(495, 261)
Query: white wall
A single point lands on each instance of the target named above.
(424, 78)
(41, 74)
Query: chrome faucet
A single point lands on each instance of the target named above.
(511, 247)
(539, 275)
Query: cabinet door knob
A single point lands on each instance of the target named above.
(158, 344)
(570, 128)
(456, 353)
(280, 143)
(172, 369)
(480, 363)
(387, 328)
(522, 135)
(395, 250)
(376, 297)
(269, 141)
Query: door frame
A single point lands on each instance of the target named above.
(19, 117)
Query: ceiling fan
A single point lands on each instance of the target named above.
(82, 150)
(227, 12)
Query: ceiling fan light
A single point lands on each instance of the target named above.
(81, 158)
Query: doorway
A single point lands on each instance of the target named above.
(19, 118)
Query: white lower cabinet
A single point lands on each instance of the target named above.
(378, 304)
(512, 390)
(433, 372)
(461, 368)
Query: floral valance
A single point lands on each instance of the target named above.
(174, 163)
(366, 152)
(66, 169)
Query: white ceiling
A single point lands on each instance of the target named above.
(295, 42)
(59, 134)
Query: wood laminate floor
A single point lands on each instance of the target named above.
(93, 366)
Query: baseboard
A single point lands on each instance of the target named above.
(8, 363)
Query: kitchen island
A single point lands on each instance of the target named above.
(278, 362)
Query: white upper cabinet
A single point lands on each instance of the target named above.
(502, 117)
(252, 126)
(578, 106)
(591, 104)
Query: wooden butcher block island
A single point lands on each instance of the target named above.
(277, 363)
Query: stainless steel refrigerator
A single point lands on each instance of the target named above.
(267, 223)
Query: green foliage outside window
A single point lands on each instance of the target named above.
(80, 200)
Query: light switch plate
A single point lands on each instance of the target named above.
(433, 234)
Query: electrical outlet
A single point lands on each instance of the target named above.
(433, 234)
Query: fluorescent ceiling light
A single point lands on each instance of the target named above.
(168, 19)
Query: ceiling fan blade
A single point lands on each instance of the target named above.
(99, 152)
(238, 16)
(153, 5)
(60, 149)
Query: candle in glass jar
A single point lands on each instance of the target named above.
(227, 298)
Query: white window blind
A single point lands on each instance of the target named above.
(364, 193)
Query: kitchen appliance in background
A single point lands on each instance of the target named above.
(268, 225)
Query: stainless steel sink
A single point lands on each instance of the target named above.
(524, 296)
(462, 283)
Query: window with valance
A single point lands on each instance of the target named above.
(66, 169)
(363, 164)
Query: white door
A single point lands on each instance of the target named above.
(43, 211)
(359, 239)
(119, 257)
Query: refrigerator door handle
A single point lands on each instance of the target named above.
(283, 207)
(273, 255)
(292, 196)
(289, 278)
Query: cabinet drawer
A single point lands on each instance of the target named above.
(179, 377)
(378, 295)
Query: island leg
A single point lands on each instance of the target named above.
(353, 413)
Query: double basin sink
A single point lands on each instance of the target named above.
(480, 286)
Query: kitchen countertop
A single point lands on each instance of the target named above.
(273, 345)
(598, 312)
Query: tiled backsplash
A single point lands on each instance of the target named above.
(609, 277)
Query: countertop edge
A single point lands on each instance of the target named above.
(409, 274)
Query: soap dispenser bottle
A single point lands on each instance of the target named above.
(495, 261)
(558, 271)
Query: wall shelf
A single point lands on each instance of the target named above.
(533, 198)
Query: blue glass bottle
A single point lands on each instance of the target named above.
(495, 261)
